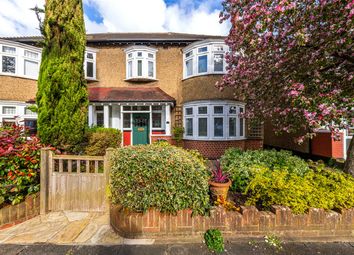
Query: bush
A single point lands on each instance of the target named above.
(241, 164)
(320, 188)
(99, 139)
(214, 240)
(19, 164)
(166, 178)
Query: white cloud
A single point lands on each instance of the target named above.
(17, 19)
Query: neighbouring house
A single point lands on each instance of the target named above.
(143, 84)
(322, 145)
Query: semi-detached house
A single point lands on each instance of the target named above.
(143, 84)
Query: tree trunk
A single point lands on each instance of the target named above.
(349, 163)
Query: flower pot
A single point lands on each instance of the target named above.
(219, 189)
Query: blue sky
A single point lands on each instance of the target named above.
(184, 16)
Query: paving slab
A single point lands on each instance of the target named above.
(70, 232)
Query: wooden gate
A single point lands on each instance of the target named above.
(73, 183)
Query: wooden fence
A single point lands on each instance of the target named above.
(74, 183)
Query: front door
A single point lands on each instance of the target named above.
(140, 128)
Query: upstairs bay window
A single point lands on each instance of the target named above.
(202, 58)
(214, 120)
(140, 63)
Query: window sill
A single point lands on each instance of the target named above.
(18, 76)
(214, 139)
(141, 79)
(203, 74)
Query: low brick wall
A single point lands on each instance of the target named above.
(14, 214)
(250, 222)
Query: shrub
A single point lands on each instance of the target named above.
(99, 139)
(320, 188)
(241, 164)
(166, 178)
(214, 240)
(19, 164)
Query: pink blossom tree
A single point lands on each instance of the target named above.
(292, 62)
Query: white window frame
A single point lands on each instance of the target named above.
(213, 47)
(93, 61)
(226, 115)
(132, 56)
(163, 117)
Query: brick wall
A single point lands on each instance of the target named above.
(324, 145)
(156, 137)
(15, 214)
(215, 149)
(317, 223)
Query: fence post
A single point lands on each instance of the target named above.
(44, 180)
(107, 171)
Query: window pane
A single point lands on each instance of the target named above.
(140, 68)
(150, 55)
(130, 69)
(241, 122)
(140, 108)
(189, 111)
(151, 68)
(8, 49)
(156, 120)
(31, 68)
(127, 108)
(218, 62)
(8, 64)
(89, 55)
(31, 54)
(99, 108)
(9, 110)
(203, 110)
(218, 48)
(157, 108)
(99, 119)
(202, 126)
(218, 127)
(189, 67)
(188, 54)
(89, 69)
(126, 120)
(202, 64)
(189, 127)
(218, 109)
(203, 49)
(140, 54)
(130, 55)
(232, 110)
(232, 126)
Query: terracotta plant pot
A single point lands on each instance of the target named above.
(219, 189)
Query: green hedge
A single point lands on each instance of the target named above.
(167, 178)
(319, 188)
(241, 164)
(100, 138)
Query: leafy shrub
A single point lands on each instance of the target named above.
(214, 240)
(99, 139)
(320, 188)
(167, 178)
(19, 164)
(241, 164)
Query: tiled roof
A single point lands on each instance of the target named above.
(126, 94)
(129, 37)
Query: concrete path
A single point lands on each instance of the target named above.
(179, 249)
(62, 228)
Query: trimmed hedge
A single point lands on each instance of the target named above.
(166, 178)
(241, 165)
(99, 139)
(319, 188)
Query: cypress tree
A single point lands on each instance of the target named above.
(62, 97)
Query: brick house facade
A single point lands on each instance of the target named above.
(142, 84)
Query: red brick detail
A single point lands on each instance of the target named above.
(250, 222)
(15, 214)
(155, 138)
(127, 138)
(158, 132)
(324, 145)
(215, 149)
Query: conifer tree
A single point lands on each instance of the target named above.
(62, 97)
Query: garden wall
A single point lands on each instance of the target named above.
(316, 224)
(14, 214)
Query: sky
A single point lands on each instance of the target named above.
(183, 16)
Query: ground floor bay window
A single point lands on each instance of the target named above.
(214, 120)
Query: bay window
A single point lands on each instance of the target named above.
(206, 57)
(140, 63)
(214, 120)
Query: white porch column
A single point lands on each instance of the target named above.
(115, 116)
(90, 115)
(106, 115)
(168, 119)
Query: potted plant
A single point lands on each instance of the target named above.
(219, 182)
